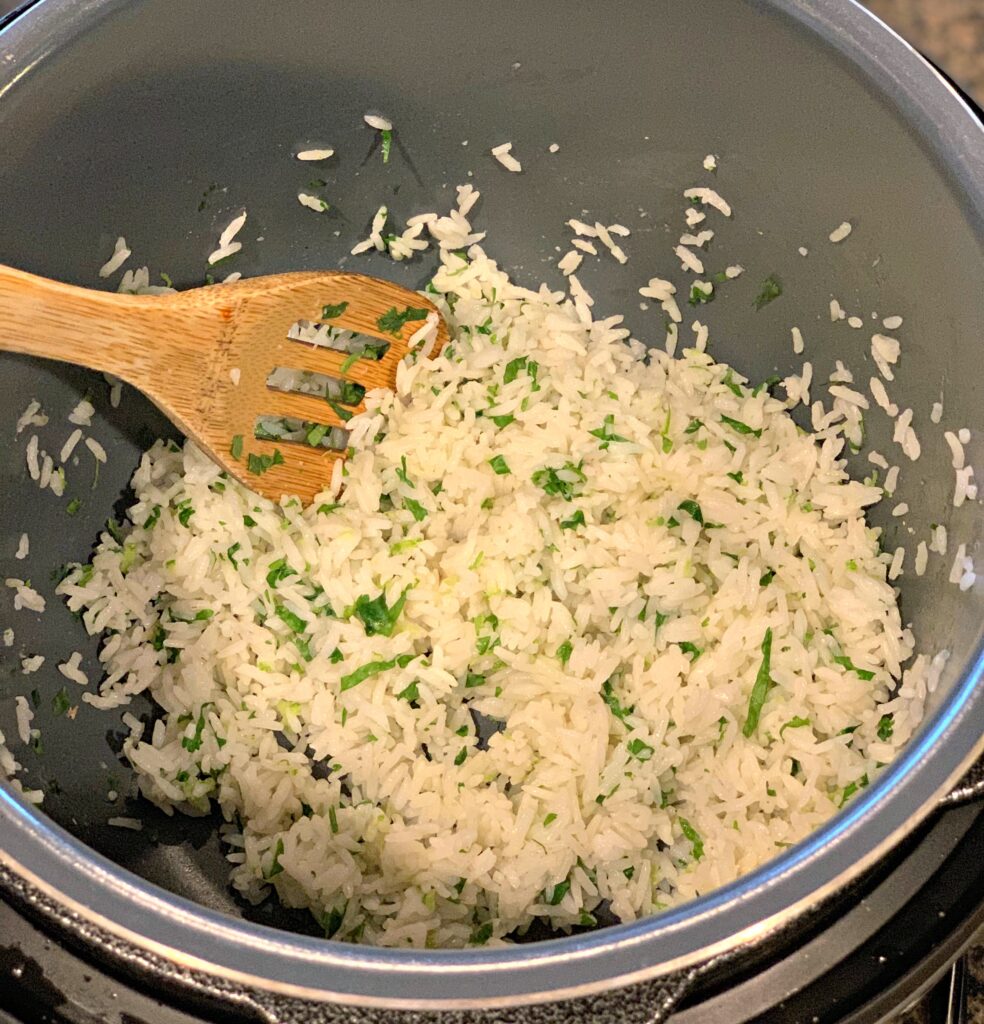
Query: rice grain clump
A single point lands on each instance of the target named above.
(587, 628)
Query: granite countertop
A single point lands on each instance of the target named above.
(951, 33)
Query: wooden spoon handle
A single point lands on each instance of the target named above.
(118, 334)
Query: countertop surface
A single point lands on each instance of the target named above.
(951, 33)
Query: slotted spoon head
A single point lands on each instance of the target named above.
(266, 331)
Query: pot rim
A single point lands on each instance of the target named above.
(107, 897)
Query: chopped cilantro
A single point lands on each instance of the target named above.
(332, 310)
(760, 690)
(279, 570)
(551, 817)
(499, 465)
(692, 649)
(564, 652)
(739, 427)
(376, 616)
(459, 758)
(690, 833)
(794, 723)
(373, 668)
(862, 673)
(729, 382)
(692, 509)
(851, 788)
(609, 697)
(393, 321)
(886, 726)
(557, 893)
(604, 433)
(73, 506)
(640, 750)
(317, 434)
(60, 703)
(410, 693)
(275, 866)
(259, 464)
(771, 290)
(556, 485)
(417, 510)
(236, 448)
(294, 622)
(574, 522)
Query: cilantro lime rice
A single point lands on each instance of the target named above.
(586, 631)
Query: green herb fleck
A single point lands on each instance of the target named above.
(552, 483)
(73, 506)
(851, 788)
(60, 703)
(259, 464)
(886, 726)
(692, 509)
(760, 690)
(332, 310)
(574, 522)
(604, 433)
(293, 622)
(275, 866)
(236, 448)
(862, 673)
(729, 382)
(409, 693)
(739, 427)
(416, 509)
(771, 290)
(640, 750)
(794, 723)
(393, 321)
(373, 668)
(609, 697)
(279, 570)
(376, 616)
(557, 893)
(691, 834)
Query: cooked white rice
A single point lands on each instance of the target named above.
(121, 253)
(315, 154)
(663, 597)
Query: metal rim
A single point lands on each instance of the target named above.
(190, 936)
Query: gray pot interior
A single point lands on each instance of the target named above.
(117, 117)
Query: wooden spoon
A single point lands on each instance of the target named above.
(205, 357)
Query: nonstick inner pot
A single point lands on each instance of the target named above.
(118, 117)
